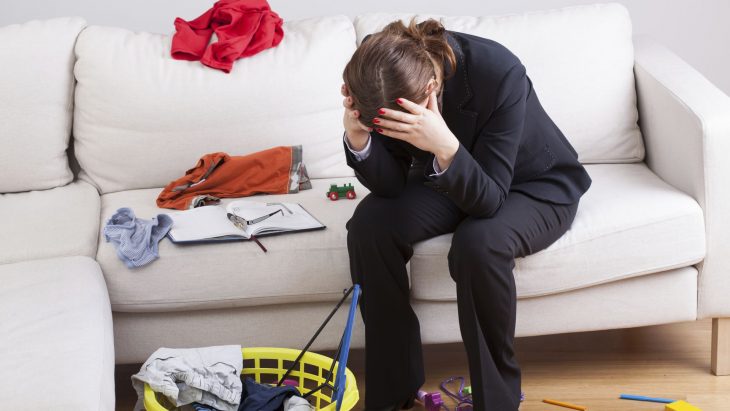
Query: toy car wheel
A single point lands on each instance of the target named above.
(333, 196)
(350, 194)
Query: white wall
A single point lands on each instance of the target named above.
(699, 31)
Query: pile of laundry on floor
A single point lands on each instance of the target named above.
(209, 379)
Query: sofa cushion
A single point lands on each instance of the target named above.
(628, 210)
(140, 114)
(299, 267)
(36, 98)
(57, 345)
(580, 60)
(629, 223)
(63, 221)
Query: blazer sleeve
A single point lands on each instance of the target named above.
(478, 182)
(385, 170)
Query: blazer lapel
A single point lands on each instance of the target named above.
(456, 94)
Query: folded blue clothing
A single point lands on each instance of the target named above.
(136, 238)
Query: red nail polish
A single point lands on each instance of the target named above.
(376, 121)
(381, 111)
(399, 101)
(380, 130)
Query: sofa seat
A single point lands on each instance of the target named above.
(648, 226)
(58, 222)
(302, 267)
(653, 226)
(57, 345)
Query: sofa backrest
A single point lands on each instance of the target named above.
(142, 118)
(36, 101)
(580, 60)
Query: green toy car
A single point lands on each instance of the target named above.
(336, 192)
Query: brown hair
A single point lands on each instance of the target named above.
(397, 61)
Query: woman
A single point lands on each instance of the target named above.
(447, 133)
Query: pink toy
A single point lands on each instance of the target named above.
(431, 400)
(292, 383)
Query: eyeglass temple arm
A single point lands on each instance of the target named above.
(262, 218)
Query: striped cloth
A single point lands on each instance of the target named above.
(135, 238)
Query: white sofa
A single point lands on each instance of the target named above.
(646, 246)
(56, 336)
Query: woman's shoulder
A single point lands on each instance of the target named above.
(485, 56)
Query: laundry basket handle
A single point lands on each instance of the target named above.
(316, 334)
(339, 390)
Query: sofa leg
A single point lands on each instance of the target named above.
(721, 346)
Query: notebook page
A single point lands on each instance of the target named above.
(201, 223)
(297, 219)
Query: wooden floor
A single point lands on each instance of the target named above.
(589, 369)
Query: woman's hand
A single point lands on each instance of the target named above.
(423, 127)
(357, 132)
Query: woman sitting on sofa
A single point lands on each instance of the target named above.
(447, 133)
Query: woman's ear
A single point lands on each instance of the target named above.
(431, 86)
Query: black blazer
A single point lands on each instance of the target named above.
(507, 142)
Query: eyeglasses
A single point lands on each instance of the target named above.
(242, 223)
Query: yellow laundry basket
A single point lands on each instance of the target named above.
(268, 365)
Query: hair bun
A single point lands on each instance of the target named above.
(430, 28)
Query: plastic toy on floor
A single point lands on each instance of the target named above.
(672, 405)
(647, 399)
(680, 406)
(565, 404)
(432, 401)
(463, 401)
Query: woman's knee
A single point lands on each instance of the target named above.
(374, 217)
(479, 248)
(363, 221)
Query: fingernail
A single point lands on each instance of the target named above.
(381, 111)
(399, 101)
(370, 129)
(376, 121)
(380, 130)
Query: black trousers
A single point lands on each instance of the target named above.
(380, 239)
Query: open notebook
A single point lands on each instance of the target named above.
(214, 223)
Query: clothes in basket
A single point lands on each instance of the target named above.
(296, 403)
(263, 397)
(207, 375)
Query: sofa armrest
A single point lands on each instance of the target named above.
(685, 121)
